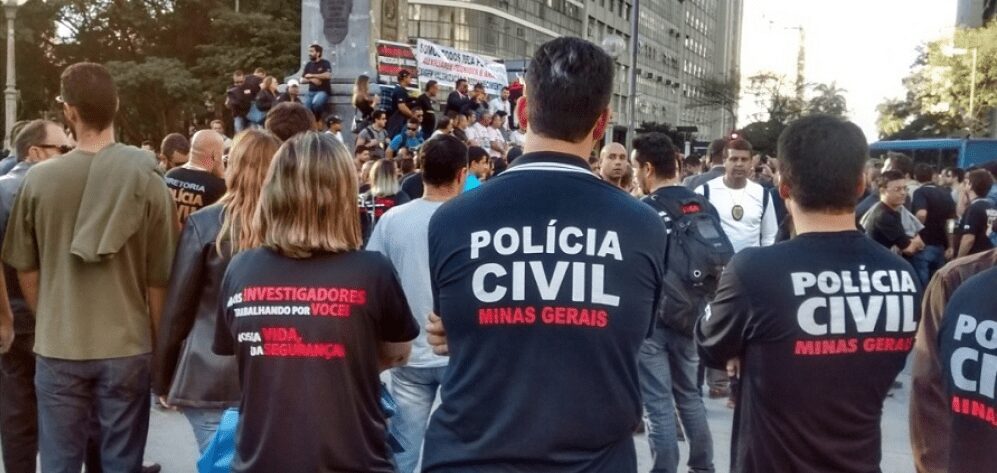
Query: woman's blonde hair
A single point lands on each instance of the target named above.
(267, 82)
(249, 160)
(360, 89)
(309, 199)
(383, 181)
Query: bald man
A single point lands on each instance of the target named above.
(613, 164)
(198, 183)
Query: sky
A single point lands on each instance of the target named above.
(866, 46)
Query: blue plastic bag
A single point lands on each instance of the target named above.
(218, 456)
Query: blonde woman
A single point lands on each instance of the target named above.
(187, 375)
(312, 321)
(363, 100)
(385, 192)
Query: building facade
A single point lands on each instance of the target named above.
(681, 43)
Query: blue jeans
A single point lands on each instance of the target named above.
(239, 123)
(71, 392)
(204, 422)
(315, 101)
(927, 261)
(414, 389)
(667, 366)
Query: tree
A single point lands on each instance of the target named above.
(937, 101)
(678, 138)
(181, 53)
(763, 135)
(714, 92)
(774, 94)
(829, 99)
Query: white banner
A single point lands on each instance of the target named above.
(446, 65)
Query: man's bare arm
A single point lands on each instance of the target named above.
(29, 288)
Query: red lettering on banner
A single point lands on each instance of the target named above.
(974, 408)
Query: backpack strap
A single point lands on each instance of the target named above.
(706, 190)
(766, 196)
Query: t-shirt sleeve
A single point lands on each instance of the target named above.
(395, 322)
(399, 96)
(20, 247)
(975, 220)
(920, 200)
(720, 333)
(161, 233)
(892, 230)
(224, 343)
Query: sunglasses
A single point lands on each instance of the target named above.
(63, 149)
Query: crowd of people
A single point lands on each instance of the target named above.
(535, 301)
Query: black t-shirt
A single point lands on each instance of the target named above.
(547, 280)
(940, 207)
(412, 186)
(886, 227)
(968, 354)
(193, 190)
(429, 115)
(399, 96)
(822, 324)
(306, 335)
(978, 219)
(319, 67)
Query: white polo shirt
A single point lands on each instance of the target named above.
(757, 226)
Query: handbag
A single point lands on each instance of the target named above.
(217, 458)
(256, 115)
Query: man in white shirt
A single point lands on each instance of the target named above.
(745, 207)
(477, 134)
(501, 104)
(401, 235)
(496, 144)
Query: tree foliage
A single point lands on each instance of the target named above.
(719, 92)
(938, 89)
(172, 59)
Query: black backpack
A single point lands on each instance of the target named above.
(698, 250)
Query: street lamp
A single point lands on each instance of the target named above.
(614, 45)
(10, 93)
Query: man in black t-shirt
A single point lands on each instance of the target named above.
(933, 206)
(238, 98)
(426, 103)
(400, 110)
(668, 361)
(968, 356)
(819, 326)
(883, 223)
(198, 183)
(318, 75)
(981, 215)
(546, 280)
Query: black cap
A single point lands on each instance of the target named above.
(403, 74)
(331, 119)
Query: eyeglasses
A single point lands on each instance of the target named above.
(63, 149)
(897, 189)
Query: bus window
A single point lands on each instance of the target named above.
(949, 158)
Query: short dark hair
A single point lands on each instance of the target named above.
(32, 134)
(287, 119)
(923, 172)
(476, 153)
(656, 148)
(498, 166)
(823, 159)
(407, 165)
(90, 89)
(513, 154)
(901, 162)
(444, 123)
(238, 72)
(693, 160)
(570, 81)
(958, 173)
(414, 121)
(174, 142)
(504, 88)
(478, 86)
(889, 176)
(442, 159)
(738, 144)
(430, 84)
(260, 70)
(317, 47)
(716, 150)
(377, 115)
(332, 119)
(459, 82)
(980, 181)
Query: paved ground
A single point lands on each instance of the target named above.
(171, 442)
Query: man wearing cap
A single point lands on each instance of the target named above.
(318, 75)
(292, 94)
(400, 110)
(334, 126)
